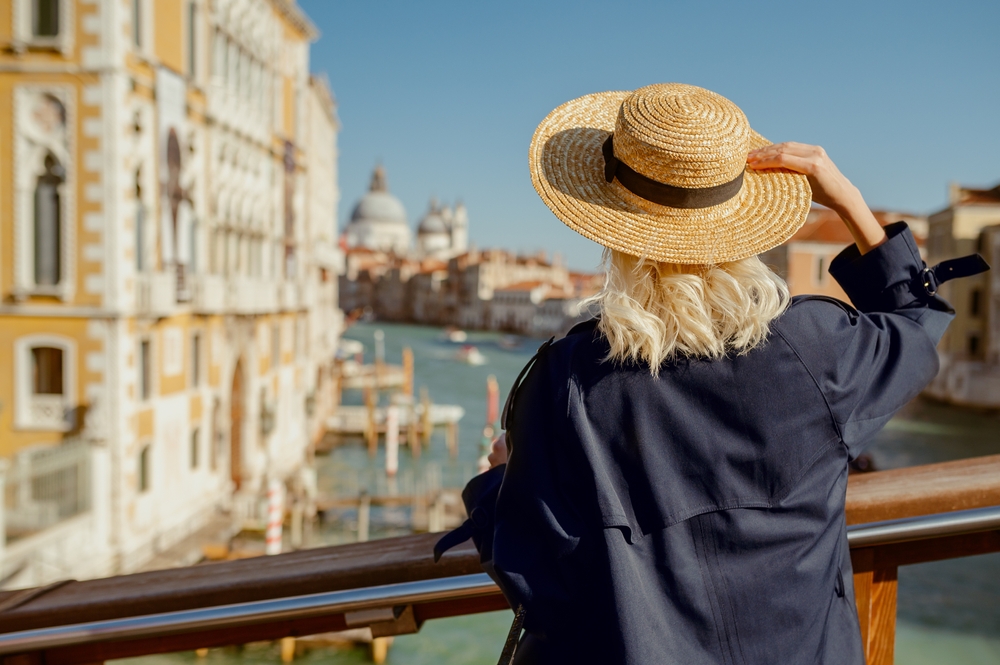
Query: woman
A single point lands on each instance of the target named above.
(674, 491)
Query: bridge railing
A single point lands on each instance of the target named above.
(895, 518)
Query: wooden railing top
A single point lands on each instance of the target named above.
(871, 497)
(924, 490)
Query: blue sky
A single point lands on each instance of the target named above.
(905, 96)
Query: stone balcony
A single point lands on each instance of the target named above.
(251, 296)
(156, 294)
(208, 294)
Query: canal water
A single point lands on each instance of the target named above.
(949, 612)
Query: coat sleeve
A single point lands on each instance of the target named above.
(871, 361)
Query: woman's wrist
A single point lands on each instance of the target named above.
(857, 216)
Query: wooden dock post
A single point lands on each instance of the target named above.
(380, 649)
(371, 427)
(428, 425)
(412, 435)
(452, 437)
(435, 516)
(287, 649)
(408, 371)
(391, 441)
(492, 402)
(379, 358)
(298, 515)
(364, 516)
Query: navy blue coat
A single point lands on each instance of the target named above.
(698, 517)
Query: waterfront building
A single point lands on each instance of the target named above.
(803, 261)
(168, 261)
(489, 289)
(439, 279)
(970, 349)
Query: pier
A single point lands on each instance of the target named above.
(373, 422)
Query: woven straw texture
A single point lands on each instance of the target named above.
(676, 134)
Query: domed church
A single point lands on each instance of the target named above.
(379, 219)
(379, 222)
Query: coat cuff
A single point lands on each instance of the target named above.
(882, 280)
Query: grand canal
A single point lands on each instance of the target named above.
(949, 612)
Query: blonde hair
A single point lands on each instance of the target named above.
(654, 311)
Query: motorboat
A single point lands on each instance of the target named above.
(454, 335)
(509, 342)
(470, 355)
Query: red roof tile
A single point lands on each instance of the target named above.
(824, 225)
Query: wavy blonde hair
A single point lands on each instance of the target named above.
(654, 312)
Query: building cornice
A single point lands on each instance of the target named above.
(294, 15)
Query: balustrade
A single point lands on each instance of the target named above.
(895, 518)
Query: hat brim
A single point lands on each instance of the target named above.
(567, 170)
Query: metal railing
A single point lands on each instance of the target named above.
(242, 614)
(927, 527)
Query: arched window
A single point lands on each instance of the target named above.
(48, 223)
(45, 18)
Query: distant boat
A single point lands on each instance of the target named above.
(509, 342)
(470, 355)
(453, 334)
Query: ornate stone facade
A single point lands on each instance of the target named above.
(168, 261)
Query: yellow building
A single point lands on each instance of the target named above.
(168, 271)
(970, 349)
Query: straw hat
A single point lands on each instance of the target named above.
(661, 172)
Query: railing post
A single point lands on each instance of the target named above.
(875, 584)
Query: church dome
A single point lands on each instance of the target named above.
(378, 205)
(378, 221)
(433, 221)
(432, 224)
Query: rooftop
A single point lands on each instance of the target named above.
(824, 225)
(523, 286)
(966, 195)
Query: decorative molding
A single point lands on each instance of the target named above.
(26, 404)
(32, 142)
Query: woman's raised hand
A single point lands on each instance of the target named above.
(829, 187)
